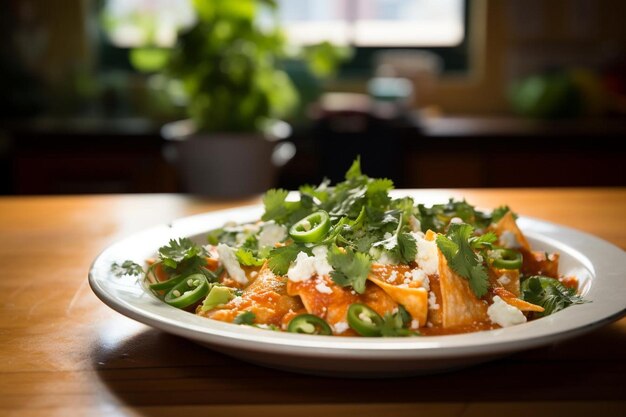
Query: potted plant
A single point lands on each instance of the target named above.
(228, 65)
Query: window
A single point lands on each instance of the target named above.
(439, 26)
(374, 23)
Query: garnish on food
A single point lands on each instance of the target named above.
(352, 260)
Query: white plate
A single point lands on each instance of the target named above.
(598, 264)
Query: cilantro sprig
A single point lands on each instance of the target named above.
(280, 258)
(396, 324)
(437, 217)
(184, 257)
(127, 267)
(178, 251)
(349, 268)
(456, 246)
(401, 245)
(549, 293)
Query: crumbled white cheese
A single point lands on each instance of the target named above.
(305, 266)
(392, 276)
(504, 314)
(418, 275)
(432, 301)
(504, 279)
(302, 268)
(271, 234)
(456, 220)
(229, 260)
(509, 240)
(253, 274)
(323, 288)
(340, 327)
(427, 256)
(415, 324)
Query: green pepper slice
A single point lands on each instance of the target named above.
(312, 228)
(506, 258)
(309, 324)
(364, 320)
(188, 291)
(166, 285)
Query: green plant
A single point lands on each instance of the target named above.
(229, 64)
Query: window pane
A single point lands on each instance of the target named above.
(374, 22)
(314, 21)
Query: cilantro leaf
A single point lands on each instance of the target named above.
(405, 205)
(378, 191)
(247, 317)
(274, 202)
(395, 324)
(178, 251)
(354, 171)
(247, 258)
(549, 293)
(407, 247)
(498, 213)
(456, 247)
(280, 258)
(483, 242)
(127, 267)
(437, 217)
(401, 245)
(320, 192)
(280, 210)
(350, 268)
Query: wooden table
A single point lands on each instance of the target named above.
(63, 352)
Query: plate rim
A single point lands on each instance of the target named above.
(230, 335)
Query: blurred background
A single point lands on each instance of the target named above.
(227, 98)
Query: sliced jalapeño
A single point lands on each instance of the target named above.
(312, 228)
(309, 324)
(188, 291)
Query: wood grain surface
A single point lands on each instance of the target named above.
(63, 352)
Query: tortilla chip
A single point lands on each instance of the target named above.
(511, 283)
(414, 300)
(458, 303)
(333, 306)
(266, 297)
(507, 224)
(512, 300)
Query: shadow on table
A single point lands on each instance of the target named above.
(154, 368)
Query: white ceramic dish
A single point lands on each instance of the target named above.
(599, 265)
